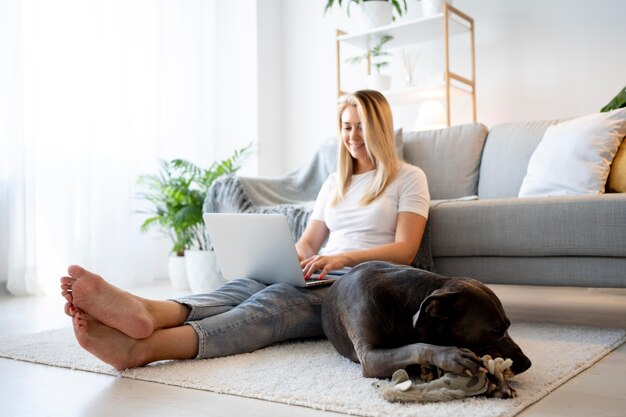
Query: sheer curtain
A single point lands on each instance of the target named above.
(92, 93)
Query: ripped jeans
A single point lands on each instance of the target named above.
(244, 315)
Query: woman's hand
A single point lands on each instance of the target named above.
(324, 264)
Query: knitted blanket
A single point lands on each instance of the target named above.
(292, 195)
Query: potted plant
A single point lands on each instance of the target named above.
(400, 7)
(374, 13)
(433, 7)
(378, 59)
(177, 195)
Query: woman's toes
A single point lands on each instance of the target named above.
(68, 281)
(79, 323)
(76, 272)
(69, 309)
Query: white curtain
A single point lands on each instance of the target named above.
(92, 93)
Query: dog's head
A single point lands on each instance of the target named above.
(467, 314)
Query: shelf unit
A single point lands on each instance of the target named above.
(442, 26)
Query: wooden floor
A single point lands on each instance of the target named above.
(37, 390)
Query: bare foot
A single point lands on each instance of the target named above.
(106, 343)
(106, 303)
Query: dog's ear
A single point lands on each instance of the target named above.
(438, 305)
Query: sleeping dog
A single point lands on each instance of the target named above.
(389, 317)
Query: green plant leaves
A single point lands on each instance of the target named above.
(618, 102)
(374, 53)
(177, 196)
(400, 8)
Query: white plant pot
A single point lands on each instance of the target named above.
(202, 271)
(433, 7)
(379, 82)
(177, 271)
(375, 13)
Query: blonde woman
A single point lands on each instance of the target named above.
(373, 208)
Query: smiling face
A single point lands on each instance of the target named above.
(353, 139)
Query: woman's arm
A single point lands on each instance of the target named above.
(312, 239)
(409, 231)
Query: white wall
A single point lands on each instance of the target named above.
(271, 155)
(236, 116)
(249, 83)
(535, 59)
(539, 59)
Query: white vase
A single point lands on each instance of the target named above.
(375, 13)
(177, 271)
(378, 82)
(202, 272)
(433, 7)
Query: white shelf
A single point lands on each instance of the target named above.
(411, 95)
(452, 22)
(406, 33)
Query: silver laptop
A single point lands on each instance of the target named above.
(259, 246)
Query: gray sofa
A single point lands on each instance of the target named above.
(478, 227)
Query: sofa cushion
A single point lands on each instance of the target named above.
(535, 226)
(508, 149)
(580, 271)
(574, 157)
(617, 176)
(450, 158)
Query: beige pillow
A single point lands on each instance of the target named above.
(617, 176)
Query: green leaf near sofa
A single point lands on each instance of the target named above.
(618, 101)
(617, 177)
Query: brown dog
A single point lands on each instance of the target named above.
(389, 317)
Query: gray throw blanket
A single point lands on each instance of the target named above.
(293, 195)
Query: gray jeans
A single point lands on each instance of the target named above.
(244, 315)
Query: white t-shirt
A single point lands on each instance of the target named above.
(354, 226)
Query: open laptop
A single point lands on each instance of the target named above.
(259, 246)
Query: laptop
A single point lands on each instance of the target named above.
(260, 247)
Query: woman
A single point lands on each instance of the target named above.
(373, 208)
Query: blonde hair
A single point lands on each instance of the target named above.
(377, 127)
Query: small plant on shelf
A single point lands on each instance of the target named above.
(400, 6)
(375, 55)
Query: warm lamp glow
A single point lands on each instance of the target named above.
(431, 116)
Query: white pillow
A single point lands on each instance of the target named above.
(574, 157)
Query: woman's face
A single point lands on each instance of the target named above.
(352, 137)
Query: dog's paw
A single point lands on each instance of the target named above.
(457, 361)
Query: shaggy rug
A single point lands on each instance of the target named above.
(312, 374)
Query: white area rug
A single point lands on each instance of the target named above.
(312, 374)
